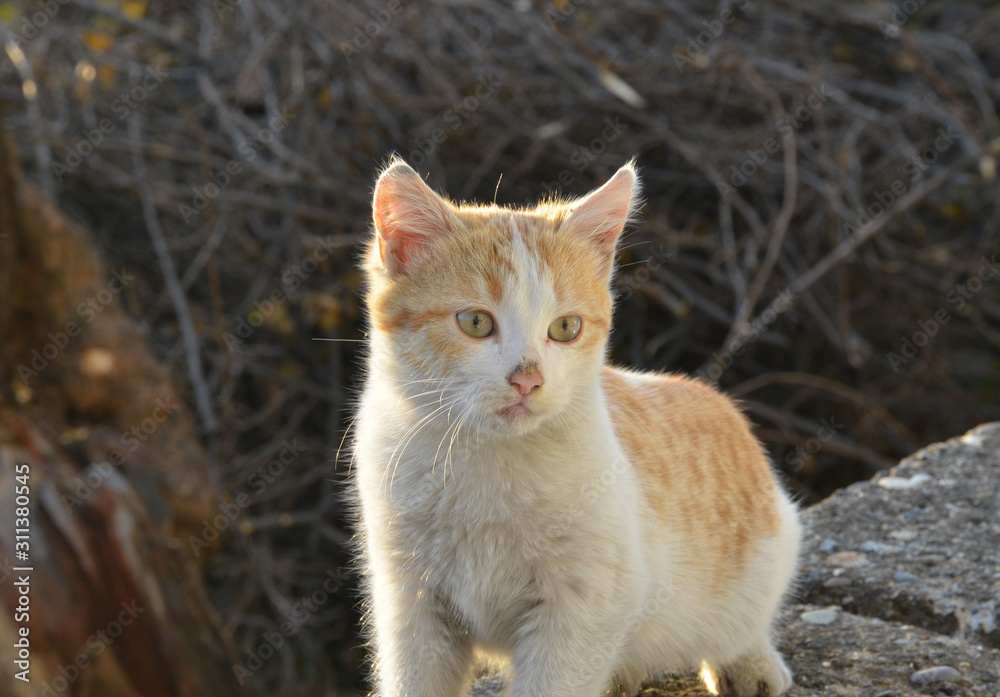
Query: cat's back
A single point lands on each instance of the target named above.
(655, 414)
(702, 471)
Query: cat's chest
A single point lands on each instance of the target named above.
(476, 516)
(488, 531)
(491, 551)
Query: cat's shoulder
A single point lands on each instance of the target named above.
(623, 385)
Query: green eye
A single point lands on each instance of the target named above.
(565, 328)
(476, 323)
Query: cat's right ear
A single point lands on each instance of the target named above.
(601, 215)
(408, 215)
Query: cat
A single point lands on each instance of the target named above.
(522, 503)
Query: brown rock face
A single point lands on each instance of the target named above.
(101, 596)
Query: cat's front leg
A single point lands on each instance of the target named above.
(566, 649)
(419, 652)
(758, 673)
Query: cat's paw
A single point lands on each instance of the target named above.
(757, 674)
(626, 682)
(623, 689)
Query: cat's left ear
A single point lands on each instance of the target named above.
(601, 215)
(408, 215)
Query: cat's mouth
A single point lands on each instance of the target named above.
(516, 409)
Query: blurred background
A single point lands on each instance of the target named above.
(185, 189)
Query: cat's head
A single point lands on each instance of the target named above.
(496, 315)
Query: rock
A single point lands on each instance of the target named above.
(903, 482)
(119, 479)
(873, 546)
(864, 656)
(930, 549)
(929, 676)
(825, 616)
(847, 559)
(837, 582)
(827, 545)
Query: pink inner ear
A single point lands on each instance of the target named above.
(607, 230)
(407, 215)
(602, 214)
(398, 236)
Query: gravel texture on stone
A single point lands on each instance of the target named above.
(866, 657)
(919, 544)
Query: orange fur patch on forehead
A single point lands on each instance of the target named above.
(576, 268)
(474, 265)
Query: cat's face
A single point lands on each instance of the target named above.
(494, 318)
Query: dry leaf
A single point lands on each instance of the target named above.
(280, 321)
(9, 13)
(134, 9)
(324, 100)
(324, 311)
(98, 41)
(107, 75)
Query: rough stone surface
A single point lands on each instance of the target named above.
(866, 657)
(924, 550)
(909, 563)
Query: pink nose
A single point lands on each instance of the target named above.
(526, 381)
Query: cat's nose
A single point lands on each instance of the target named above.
(526, 379)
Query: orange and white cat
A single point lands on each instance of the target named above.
(523, 502)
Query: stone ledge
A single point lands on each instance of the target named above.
(919, 544)
(866, 657)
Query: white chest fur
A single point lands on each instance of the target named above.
(494, 528)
